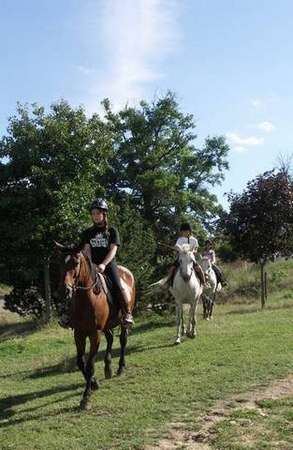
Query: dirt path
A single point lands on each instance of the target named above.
(179, 437)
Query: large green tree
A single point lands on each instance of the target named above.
(158, 169)
(51, 169)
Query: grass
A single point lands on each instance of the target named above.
(40, 389)
(242, 349)
(244, 280)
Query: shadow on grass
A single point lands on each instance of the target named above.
(69, 364)
(152, 325)
(8, 404)
(10, 330)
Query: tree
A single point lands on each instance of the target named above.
(260, 221)
(52, 167)
(158, 170)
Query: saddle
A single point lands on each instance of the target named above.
(106, 285)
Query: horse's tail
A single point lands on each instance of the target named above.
(158, 286)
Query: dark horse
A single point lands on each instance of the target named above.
(92, 314)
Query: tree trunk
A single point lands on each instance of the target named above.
(266, 286)
(262, 284)
(48, 302)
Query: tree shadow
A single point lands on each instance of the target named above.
(152, 325)
(8, 404)
(11, 330)
(68, 365)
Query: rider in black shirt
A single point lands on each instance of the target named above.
(101, 243)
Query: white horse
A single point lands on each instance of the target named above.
(186, 289)
(211, 288)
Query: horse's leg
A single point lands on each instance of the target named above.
(123, 342)
(91, 382)
(108, 354)
(182, 323)
(204, 306)
(80, 342)
(179, 312)
(193, 331)
(213, 303)
(188, 329)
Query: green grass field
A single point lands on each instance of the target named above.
(242, 349)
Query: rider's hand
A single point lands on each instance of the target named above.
(101, 268)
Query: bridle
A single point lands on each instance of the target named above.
(75, 287)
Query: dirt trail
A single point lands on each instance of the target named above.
(178, 437)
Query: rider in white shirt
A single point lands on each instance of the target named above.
(186, 238)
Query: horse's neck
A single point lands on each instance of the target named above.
(85, 276)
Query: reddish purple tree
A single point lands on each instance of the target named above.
(260, 221)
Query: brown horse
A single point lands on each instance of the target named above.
(92, 314)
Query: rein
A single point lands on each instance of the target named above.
(75, 287)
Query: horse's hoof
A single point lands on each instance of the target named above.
(177, 342)
(108, 374)
(120, 371)
(94, 384)
(85, 404)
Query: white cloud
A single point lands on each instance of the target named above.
(242, 144)
(135, 36)
(266, 126)
(256, 102)
(84, 70)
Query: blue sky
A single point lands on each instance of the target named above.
(230, 63)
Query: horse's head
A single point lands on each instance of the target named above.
(70, 270)
(206, 264)
(186, 261)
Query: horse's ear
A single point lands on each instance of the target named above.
(58, 245)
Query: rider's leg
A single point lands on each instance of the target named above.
(172, 272)
(219, 275)
(112, 272)
(199, 272)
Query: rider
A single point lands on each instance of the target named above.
(102, 242)
(186, 238)
(211, 255)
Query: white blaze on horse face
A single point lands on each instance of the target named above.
(186, 261)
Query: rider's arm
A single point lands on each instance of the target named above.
(111, 254)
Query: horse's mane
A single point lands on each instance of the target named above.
(88, 266)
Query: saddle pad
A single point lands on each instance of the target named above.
(105, 288)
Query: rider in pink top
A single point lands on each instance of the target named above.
(211, 255)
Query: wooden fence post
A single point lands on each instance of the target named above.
(48, 298)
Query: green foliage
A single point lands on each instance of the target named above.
(53, 164)
(260, 221)
(138, 244)
(156, 166)
(142, 159)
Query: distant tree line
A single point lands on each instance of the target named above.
(142, 159)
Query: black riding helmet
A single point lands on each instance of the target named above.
(185, 227)
(99, 203)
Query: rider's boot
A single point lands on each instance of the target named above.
(127, 318)
(171, 275)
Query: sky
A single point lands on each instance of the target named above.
(229, 62)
